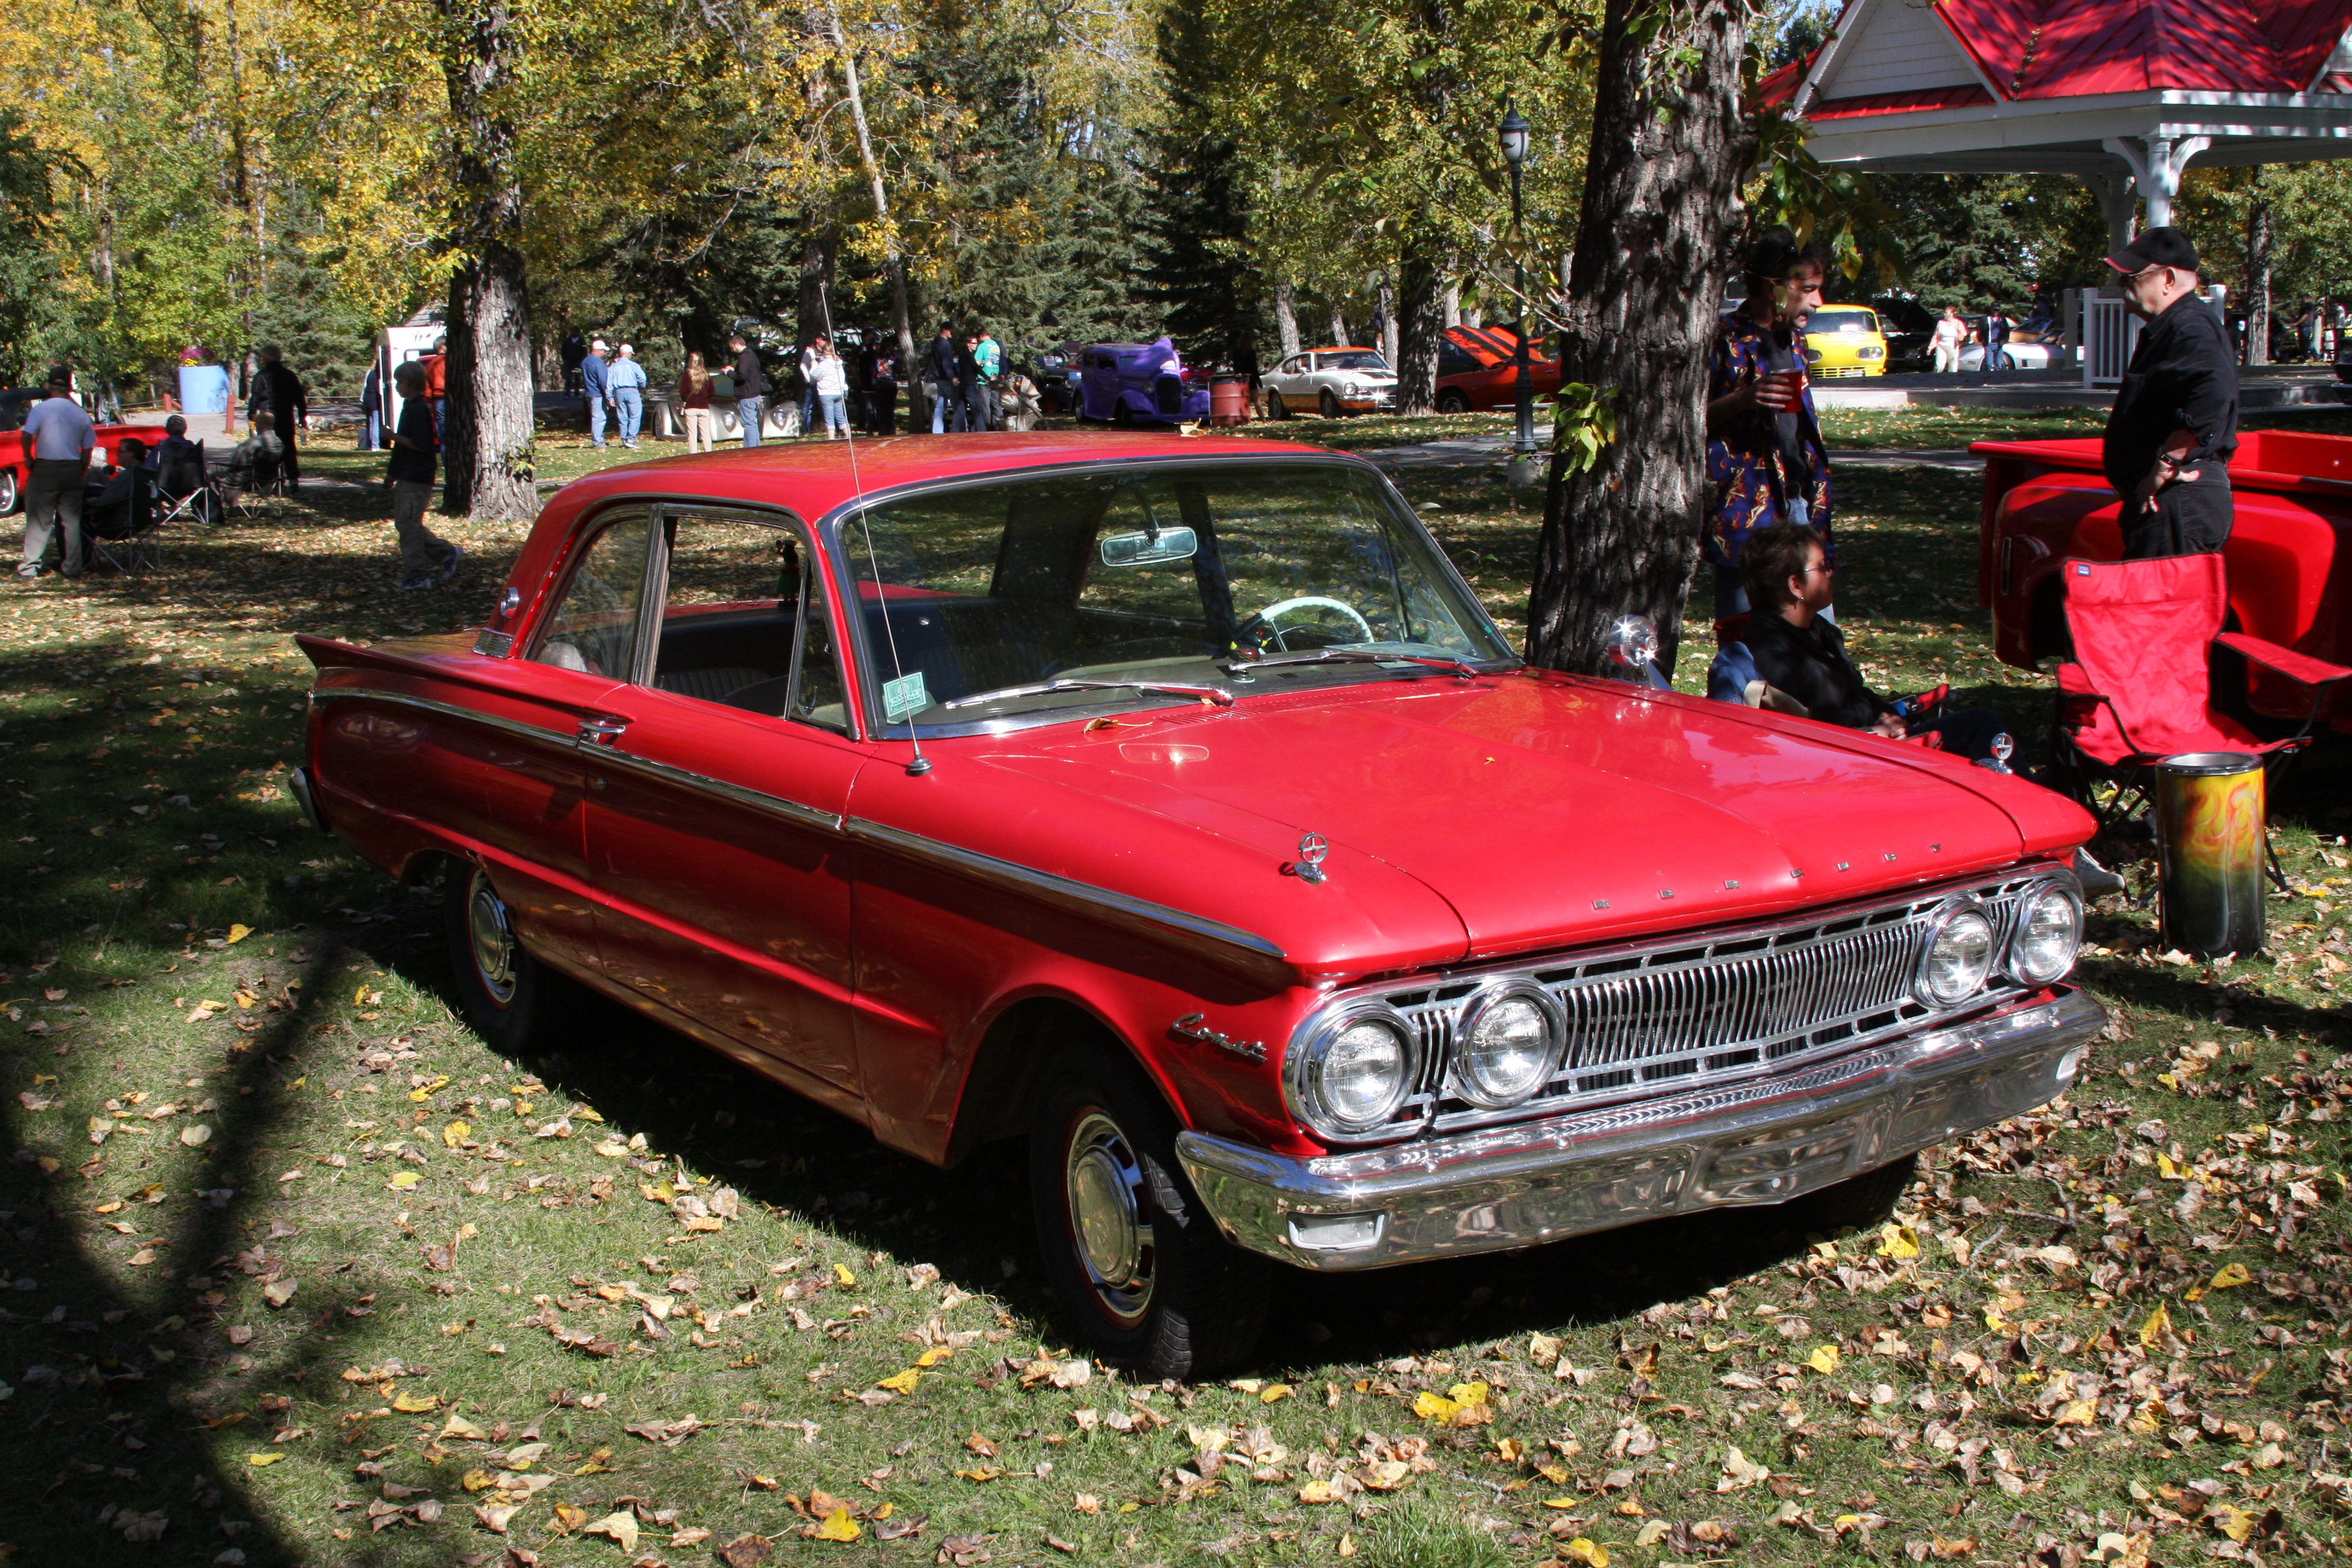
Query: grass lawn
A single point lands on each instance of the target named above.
(297, 1271)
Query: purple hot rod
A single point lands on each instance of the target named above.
(1130, 383)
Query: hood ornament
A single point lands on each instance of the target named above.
(1308, 867)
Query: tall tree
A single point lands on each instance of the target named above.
(1653, 248)
(488, 435)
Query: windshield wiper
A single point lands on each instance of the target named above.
(1241, 668)
(1217, 694)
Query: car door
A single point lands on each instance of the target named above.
(714, 825)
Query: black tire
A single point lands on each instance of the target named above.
(514, 1001)
(1275, 408)
(1453, 401)
(1855, 1204)
(11, 493)
(1155, 1291)
(1330, 404)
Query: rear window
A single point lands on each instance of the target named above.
(1843, 318)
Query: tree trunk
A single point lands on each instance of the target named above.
(1454, 304)
(1340, 327)
(1654, 244)
(489, 416)
(819, 242)
(1388, 344)
(1285, 317)
(1422, 327)
(2258, 281)
(895, 260)
(489, 434)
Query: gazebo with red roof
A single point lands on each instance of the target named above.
(2124, 93)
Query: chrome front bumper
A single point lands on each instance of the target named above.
(1763, 1142)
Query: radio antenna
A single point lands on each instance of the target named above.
(921, 765)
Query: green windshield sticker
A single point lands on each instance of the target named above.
(904, 696)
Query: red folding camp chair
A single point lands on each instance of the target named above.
(2140, 687)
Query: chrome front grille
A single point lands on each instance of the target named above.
(1676, 1012)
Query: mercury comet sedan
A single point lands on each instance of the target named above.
(1172, 804)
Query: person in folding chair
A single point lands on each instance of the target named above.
(120, 518)
(2140, 686)
(183, 487)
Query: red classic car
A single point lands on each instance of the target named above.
(2289, 556)
(1173, 803)
(1476, 370)
(15, 467)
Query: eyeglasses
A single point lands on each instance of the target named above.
(1824, 569)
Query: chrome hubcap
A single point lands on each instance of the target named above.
(1109, 1216)
(492, 941)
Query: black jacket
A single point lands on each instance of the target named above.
(944, 359)
(279, 390)
(1810, 663)
(2183, 376)
(750, 381)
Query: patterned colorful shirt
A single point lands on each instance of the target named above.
(1743, 457)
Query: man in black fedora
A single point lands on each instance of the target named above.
(2176, 416)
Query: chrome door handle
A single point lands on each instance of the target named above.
(601, 729)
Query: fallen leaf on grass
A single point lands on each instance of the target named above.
(836, 1526)
(463, 1430)
(417, 1404)
(668, 1434)
(257, 1460)
(278, 1292)
(237, 933)
(2229, 1277)
(621, 1526)
(196, 1136)
(1824, 1360)
(901, 1383)
(2159, 1324)
(1592, 1553)
(402, 1180)
(584, 1340)
(1463, 1404)
(1739, 1472)
(1898, 1242)
(494, 1516)
(456, 1132)
(747, 1552)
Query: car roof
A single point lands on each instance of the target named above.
(813, 477)
(1341, 349)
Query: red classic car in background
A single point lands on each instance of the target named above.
(16, 467)
(2289, 556)
(1174, 804)
(1476, 370)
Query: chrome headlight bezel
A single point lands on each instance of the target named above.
(2070, 891)
(1462, 1084)
(1302, 1067)
(1947, 914)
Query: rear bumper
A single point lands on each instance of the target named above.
(300, 782)
(1764, 1141)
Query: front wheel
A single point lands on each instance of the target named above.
(1331, 405)
(1135, 1260)
(1275, 408)
(1453, 401)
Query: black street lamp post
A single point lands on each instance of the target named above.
(1516, 133)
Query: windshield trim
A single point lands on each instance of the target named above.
(873, 662)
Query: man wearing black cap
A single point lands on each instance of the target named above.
(2176, 418)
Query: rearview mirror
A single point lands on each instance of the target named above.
(1150, 549)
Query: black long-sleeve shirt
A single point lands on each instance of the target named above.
(751, 380)
(2183, 376)
(1810, 663)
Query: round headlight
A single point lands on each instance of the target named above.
(1351, 1072)
(1958, 954)
(1508, 1047)
(2049, 930)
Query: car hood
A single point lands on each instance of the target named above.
(1547, 810)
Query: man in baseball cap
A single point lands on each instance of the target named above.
(2175, 422)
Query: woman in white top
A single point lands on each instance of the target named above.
(1950, 333)
(830, 377)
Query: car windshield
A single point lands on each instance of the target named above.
(1842, 322)
(1354, 359)
(1176, 575)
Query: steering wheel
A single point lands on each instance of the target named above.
(1266, 618)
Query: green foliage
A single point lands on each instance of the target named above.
(1585, 422)
(1978, 240)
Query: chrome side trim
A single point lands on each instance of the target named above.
(1010, 874)
(1763, 1142)
(298, 780)
(757, 800)
(605, 757)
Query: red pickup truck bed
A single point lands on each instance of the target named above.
(2290, 550)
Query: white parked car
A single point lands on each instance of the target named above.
(2013, 355)
(1331, 382)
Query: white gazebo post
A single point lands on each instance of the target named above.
(2156, 166)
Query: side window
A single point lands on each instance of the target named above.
(1453, 359)
(743, 622)
(594, 627)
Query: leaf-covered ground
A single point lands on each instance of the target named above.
(297, 1271)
